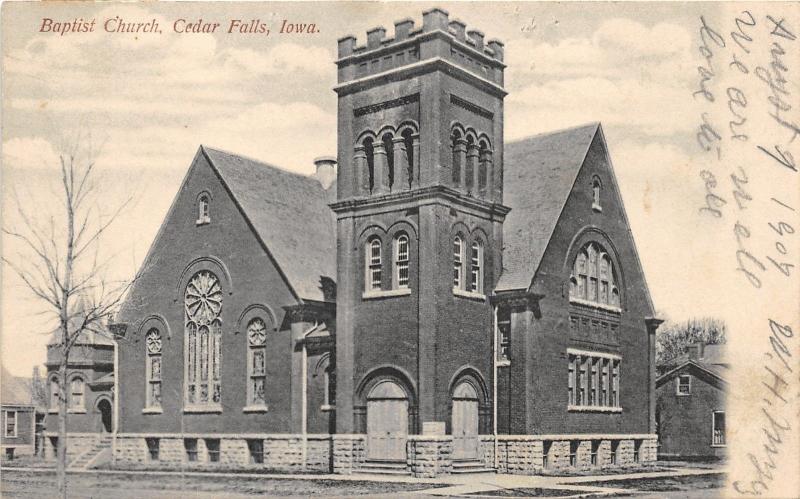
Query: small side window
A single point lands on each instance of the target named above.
(684, 384)
(203, 209)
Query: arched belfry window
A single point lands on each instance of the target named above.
(374, 263)
(401, 257)
(593, 277)
(153, 344)
(203, 209)
(257, 362)
(203, 308)
(597, 186)
(369, 151)
(388, 146)
(408, 144)
(77, 397)
(483, 160)
(459, 157)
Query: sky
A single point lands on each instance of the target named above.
(149, 101)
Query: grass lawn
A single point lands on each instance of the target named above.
(529, 492)
(25, 484)
(667, 484)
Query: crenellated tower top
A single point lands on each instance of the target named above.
(438, 38)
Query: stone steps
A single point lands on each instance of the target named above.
(470, 466)
(91, 455)
(383, 468)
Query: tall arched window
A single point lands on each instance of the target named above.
(203, 306)
(596, 187)
(369, 151)
(476, 270)
(388, 146)
(593, 278)
(54, 393)
(483, 153)
(401, 261)
(257, 362)
(77, 400)
(458, 263)
(408, 143)
(153, 344)
(373, 270)
(203, 209)
(459, 153)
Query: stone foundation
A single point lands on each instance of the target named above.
(535, 454)
(290, 453)
(429, 455)
(349, 452)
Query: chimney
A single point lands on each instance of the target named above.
(347, 45)
(695, 351)
(326, 170)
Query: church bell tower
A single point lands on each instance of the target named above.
(419, 217)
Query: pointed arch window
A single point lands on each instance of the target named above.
(203, 307)
(593, 277)
(373, 252)
(153, 344)
(458, 263)
(401, 273)
(257, 363)
(476, 270)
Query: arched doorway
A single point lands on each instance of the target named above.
(104, 407)
(464, 425)
(387, 422)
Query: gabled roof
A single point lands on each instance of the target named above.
(289, 213)
(539, 173)
(716, 371)
(15, 390)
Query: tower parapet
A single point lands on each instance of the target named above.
(438, 38)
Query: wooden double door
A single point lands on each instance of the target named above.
(464, 423)
(387, 422)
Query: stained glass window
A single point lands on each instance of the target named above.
(257, 341)
(153, 343)
(203, 307)
(593, 278)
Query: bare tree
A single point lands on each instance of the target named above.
(59, 261)
(674, 339)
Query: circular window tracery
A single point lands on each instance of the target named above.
(257, 332)
(153, 340)
(203, 298)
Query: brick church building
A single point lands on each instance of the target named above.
(432, 300)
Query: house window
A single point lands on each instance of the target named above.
(684, 386)
(212, 446)
(11, 423)
(190, 446)
(256, 449)
(401, 262)
(593, 278)
(596, 187)
(153, 448)
(203, 306)
(76, 394)
(203, 209)
(504, 334)
(718, 425)
(593, 380)
(458, 263)
(257, 362)
(153, 345)
(54, 394)
(374, 264)
(476, 272)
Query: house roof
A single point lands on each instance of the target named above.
(15, 390)
(539, 173)
(717, 371)
(94, 335)
(289, 213)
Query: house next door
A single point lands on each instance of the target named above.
(387, 422)
(465, 422)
